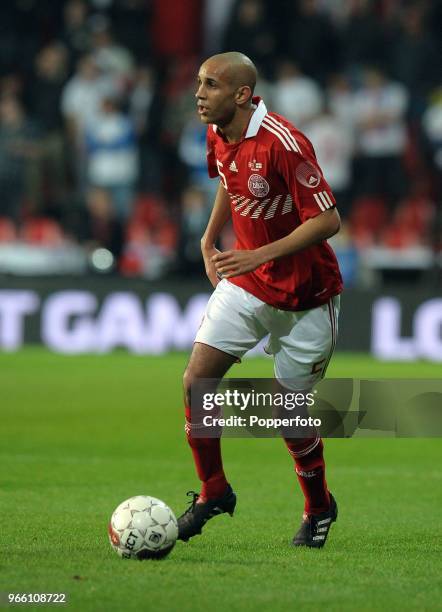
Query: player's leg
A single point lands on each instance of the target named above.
(302, 351)
(216, 495)
(228, 330)
(206, 362)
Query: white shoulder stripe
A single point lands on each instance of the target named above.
(264, 125)
(281, 135)
(324, 201)
(281, 127)
(318, 201)
(328, 198)
(284, 136)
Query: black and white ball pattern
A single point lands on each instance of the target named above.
(143, 527)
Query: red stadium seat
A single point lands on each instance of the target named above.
(412, 224)
(42, 231)
(137, 233)
(398, 236)
(167, 235)
(130, 264)
(148, 210)
(417, 214)
(368, 217)
(8, 232)
(371, 212)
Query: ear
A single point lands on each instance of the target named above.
(243, 94)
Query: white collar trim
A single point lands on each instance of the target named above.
(255, 120)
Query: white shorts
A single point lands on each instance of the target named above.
(302, 342)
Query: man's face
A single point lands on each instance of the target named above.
(215, 94)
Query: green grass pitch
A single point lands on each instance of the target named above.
(80, 434)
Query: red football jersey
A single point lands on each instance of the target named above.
(275, 184)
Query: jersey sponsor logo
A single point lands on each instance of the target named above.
(233, 167)
(308, 175)
(258, 186)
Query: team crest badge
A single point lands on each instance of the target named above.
(258, 186)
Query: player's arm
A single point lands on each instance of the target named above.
(313, 231)
(221, 212)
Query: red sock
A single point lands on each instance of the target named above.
(310, 470)
(208, 462)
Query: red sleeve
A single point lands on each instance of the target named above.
(305, 182)
(212, 168)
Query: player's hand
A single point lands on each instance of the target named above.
(234, 263)
(208, 254)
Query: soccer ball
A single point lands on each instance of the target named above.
(143, 527)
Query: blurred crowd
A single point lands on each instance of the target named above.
(100, 145)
